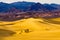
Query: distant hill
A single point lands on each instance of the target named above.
(4, 7)
(56, 5)
(24, 6)
(50, 7)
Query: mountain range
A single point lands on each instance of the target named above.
(28, 6)
(22, 10)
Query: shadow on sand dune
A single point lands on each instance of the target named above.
(5, 33)
(51, 21)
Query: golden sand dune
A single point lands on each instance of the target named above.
(31, 29)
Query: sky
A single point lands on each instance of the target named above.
(41, 1)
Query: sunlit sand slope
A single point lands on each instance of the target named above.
(31, 29)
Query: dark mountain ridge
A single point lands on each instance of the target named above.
(28, 6)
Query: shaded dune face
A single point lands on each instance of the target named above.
(52, 20)
(6, 33)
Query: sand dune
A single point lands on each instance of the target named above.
(31, 29)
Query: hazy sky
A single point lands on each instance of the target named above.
(41, 1)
